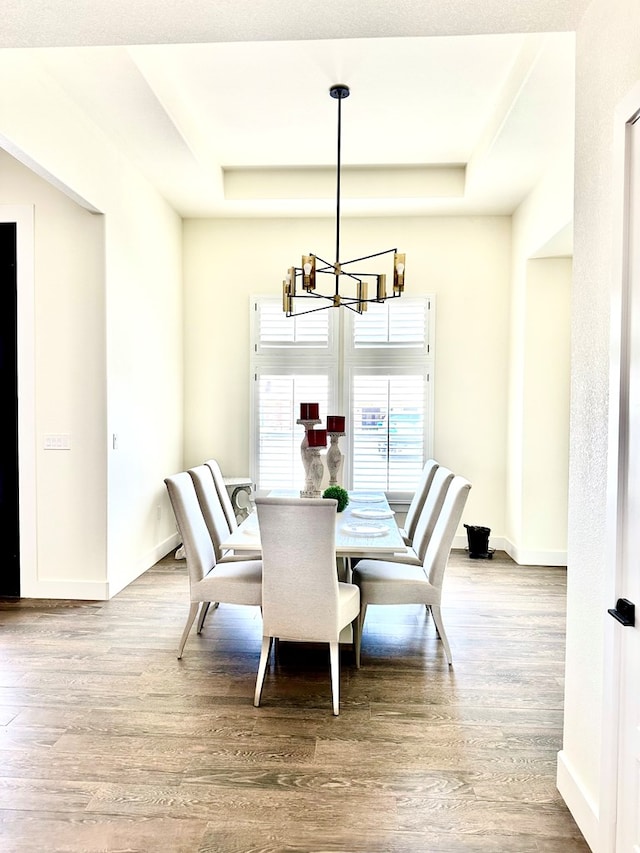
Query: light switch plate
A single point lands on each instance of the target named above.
(57, 441)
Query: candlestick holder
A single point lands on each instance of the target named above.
(314, 474)
(334, 458)
(304, 445)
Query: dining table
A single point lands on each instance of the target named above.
(365, 528)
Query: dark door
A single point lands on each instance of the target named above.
(9, 519)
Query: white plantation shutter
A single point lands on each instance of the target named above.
(398, 323)
(388, 429)
(277, 331)
(293, 361)
(382, 372)
(389, 360)
(279, 436)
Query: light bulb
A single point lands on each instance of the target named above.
(400, 268)
(307, 268)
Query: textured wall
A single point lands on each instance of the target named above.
(608, 64)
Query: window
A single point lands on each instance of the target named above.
(275, 331)
(387, 428)
(376, 368)
(293, 362)
(279, 394)
(388, 359)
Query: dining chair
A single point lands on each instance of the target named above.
(216, 521)
(417, 502)
(384, 582)
(214, 514)
(231, 582)
(414, 555)
(302, 599)
(223, 494)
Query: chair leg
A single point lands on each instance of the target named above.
(355, 627)
(193, 609)
(361, 618)
(262, 668)
(334, 654)
(437, 619)
(204, 607)
(203, 613)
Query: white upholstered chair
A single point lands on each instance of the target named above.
(231, 582)
(213, 511)
(414, 555)
(417, 502)
(223, 494)
(216, 521)
(302, 599)
(384, 582)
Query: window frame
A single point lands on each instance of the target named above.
(341, 361)
(361, 369)
(309, 359)
(391, 359)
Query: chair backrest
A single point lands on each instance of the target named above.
(419, 497)
(211, 506)
(431, 510)
(191, 525)
(223, 494)
(299, 577)
(439, 547)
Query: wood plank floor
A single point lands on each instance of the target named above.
(109, 743)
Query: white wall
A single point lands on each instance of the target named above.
(144, 379)
(545, 474)
(608, 64)
(69, 375)
(539, 317)
(109, 342)
(464, 261)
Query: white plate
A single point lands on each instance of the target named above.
(365, 529)
(365, 498)
(372, 512)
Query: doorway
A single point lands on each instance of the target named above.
(9, 496)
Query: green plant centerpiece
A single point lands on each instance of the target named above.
(339, 494)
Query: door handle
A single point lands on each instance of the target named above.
(624, 612)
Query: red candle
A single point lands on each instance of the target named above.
(317, 437)
(309, 411)
(335, 423)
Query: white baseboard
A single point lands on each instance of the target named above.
(95, 590)
(72, 590)
(581, 806)
(157, 553)
(524, 557)
(519, 555)
(163, 549)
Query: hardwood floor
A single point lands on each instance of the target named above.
(109, 743)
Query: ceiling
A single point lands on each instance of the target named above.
(460, 123)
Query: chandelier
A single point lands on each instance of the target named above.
(303, 282)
